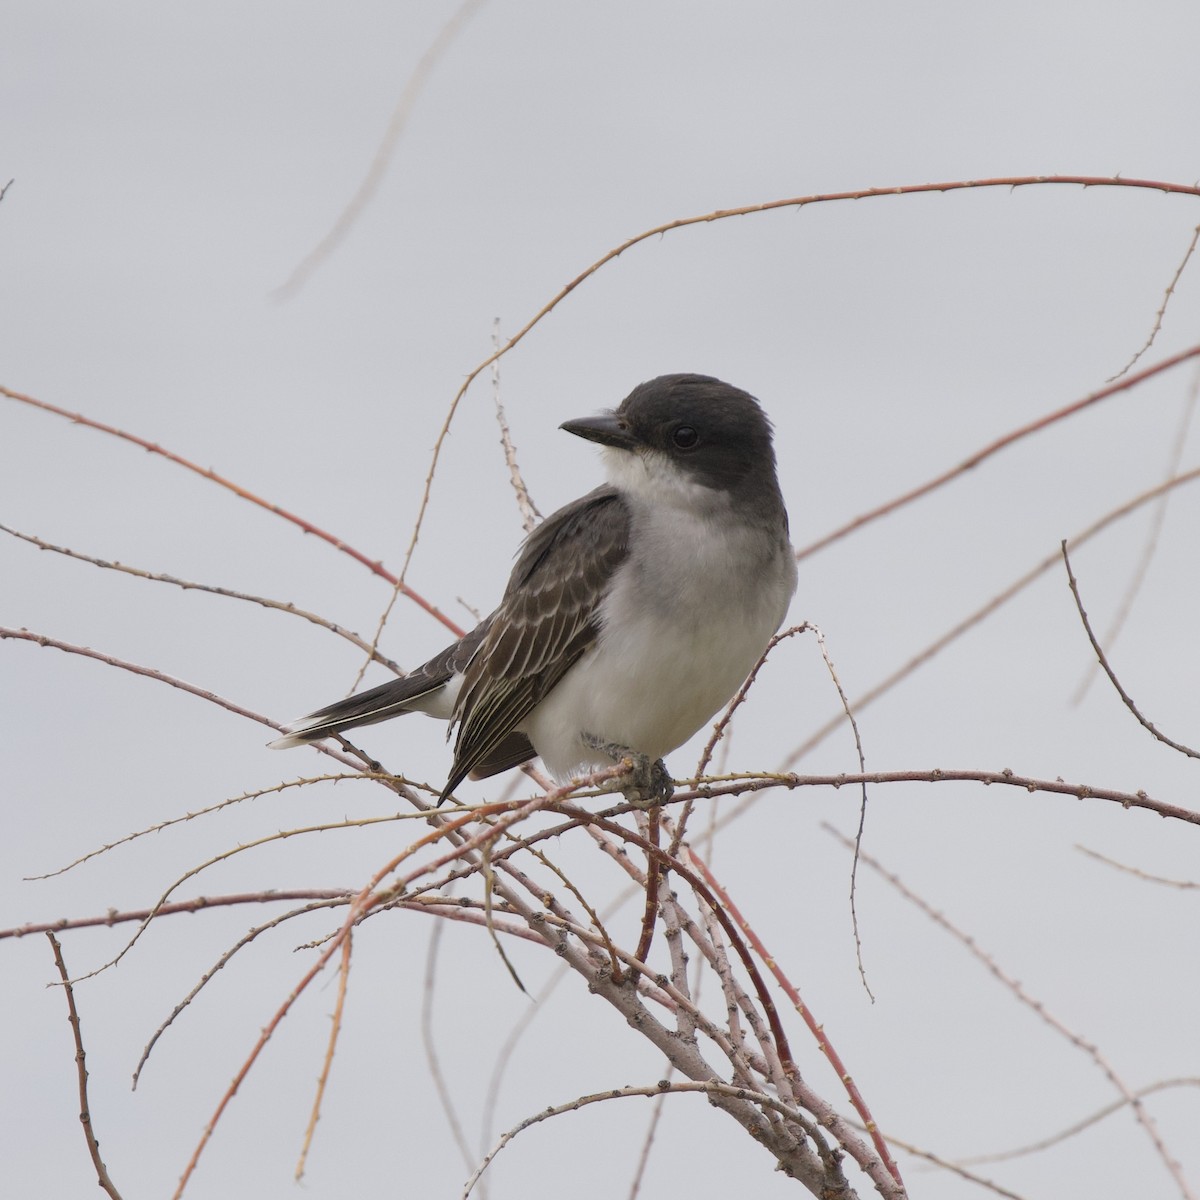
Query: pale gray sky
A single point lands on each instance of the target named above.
(173, 165)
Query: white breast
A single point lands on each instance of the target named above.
(687, 617)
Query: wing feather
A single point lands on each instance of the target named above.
(546, 620)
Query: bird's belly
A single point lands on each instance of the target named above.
(655, 675)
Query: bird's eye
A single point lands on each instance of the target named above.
(685, 437)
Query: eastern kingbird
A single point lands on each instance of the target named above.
(632, 615)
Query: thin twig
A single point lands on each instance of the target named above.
(334, 900)
(953, 1168)
(223, 857)
(737, 784)
(848, 709)
(383, 155)
(326, 1066)
(739, 698)
(40, 639)
(1078, 1127)
(429, 1044)
(373, 565)
(285, 606)
(763, 1099)
(525, 505)
(1184, 885)
(1125, 696)
(1162, 308)
(85, 1112)
(1092, 1051)
(182, 906)
(1150, 544)
(969, 622)
(258, 793)
(992, 448)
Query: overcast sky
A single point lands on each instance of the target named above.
(173, 168)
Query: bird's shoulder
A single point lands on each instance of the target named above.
(588, 536)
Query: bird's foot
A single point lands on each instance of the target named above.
(645, 784)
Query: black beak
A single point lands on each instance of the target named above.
(609, 429)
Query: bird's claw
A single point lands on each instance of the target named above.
(646, 782)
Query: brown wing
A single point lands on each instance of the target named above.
(546, 620)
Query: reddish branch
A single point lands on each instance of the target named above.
(815, 1027)
(1001, 443)
(373, 565)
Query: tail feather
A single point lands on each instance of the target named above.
(392, 699)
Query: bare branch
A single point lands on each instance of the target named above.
(85, 1112)
(980, 614)
(1017, 989)
(1150, 545)
(1184, 885)
(528, 510)
(383, 155)
(954, 1168)
(326, 1066)
(159, 826)
(285, 606)
(40, 639)
(1079, 1126)
(1162, 308)
(992, 448)
(335, 899)
(828, 1117)
(432, 1061)
(624, 1093)
(1125, 696)
(182, 906)
(373, 565)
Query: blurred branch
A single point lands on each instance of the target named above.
(1079, 1126)
(1184, 885)
(429, 1045)
(383, 155)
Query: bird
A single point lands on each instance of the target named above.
(632, 615)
